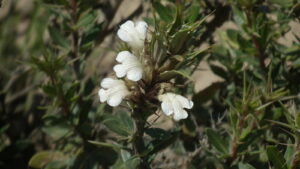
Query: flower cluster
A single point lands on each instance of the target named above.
(130, 65)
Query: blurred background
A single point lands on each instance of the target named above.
(80, 40)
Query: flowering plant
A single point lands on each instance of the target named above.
(149, 84)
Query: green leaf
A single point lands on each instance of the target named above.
(91, 35)
(49, 89)
(239, 17)
(85, 19)
(216, 141)
(245, 166)
(157, 133)
(4, 128)
(59, 38)
(283, 3)
(289, 152)
(121, 124)
(176, 23)
(284, 124)
(276, 158)
(58, 131)
(192, 58)
(131, 163)
(193, 12)
(41, 159)
(167, 75)
(114, 146)
(218, 70)
(183, 35)
(160, 144)
(296, 63)
(165, 13)
(179, 39)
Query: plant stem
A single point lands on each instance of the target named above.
(260, 51)
(75, 38)
(138, 141)
(234, 148)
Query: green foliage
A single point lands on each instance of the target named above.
(54, 53)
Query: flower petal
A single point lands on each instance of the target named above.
(180, 115)
(114, 100)
(126, 30)
(122, 56)
(166, 108)
(102, 95)
(127, 26)
(184, 102)
(120, 70)
(141, 28)
(123, 35)
(135, 74)
(107, 82)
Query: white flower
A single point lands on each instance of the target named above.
(133, 33)
(174, 104)
(113, 91)
(130, 66)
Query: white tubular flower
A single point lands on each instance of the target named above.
(113, 91)
(174, 104)
(133, 33)
(130, 66)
